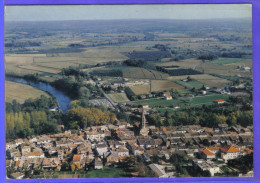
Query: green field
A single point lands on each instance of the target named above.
(139, 89)
(191, 84)
(222, 61)
(162, 85)
(106, 172)
(141, 73)
(118, 97)
(184, 102)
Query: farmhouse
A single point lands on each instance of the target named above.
(220, 101)
(144, 105)
(167, 96)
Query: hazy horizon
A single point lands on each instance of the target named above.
(127, 12)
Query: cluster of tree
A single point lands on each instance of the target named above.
(75, 71)
(161, 47)
(29, 105)
(73, 87)
(137, 164)
(23, 44)
(31, 118)
(208, 116)
(76, 45)
(105, 64)
(178, 160)
(227, 38)
(208, 57)
(179, 72)
(80, 117)
(234, 54)
(23, 124)
(244, 163)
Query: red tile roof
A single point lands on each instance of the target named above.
(229, 149)
(207, 152)
(76, 157)
(220, 100)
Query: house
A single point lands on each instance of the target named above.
(220, 101)
(135, 149)
(98, 164)
(77, 158)
(18, 142)
(26, 149)
(206, 165)
(158, 170)
(10, 145)
(203, 92)
(8, 163)
(85, 150)
(101, 149)
(112, 159)
(94, 135)
(121, 152)
(17, 175)
(144, 105)
(167, 96)
(146, 142)
(207, 154)
(50, 162)
(33, 155)
(230, 152)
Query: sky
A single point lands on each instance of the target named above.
(95, 12)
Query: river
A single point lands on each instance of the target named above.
(61, 97)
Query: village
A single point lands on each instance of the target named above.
(96, 147)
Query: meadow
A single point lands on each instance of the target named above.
(21, 92)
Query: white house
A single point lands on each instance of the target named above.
(206, 165)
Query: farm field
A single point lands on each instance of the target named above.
(205, 79)
(119, 97)
(184, 102)
(187, 63)
(223, 61)
(191, 84)
(40, 68)
(140, 89)
(141, 73)
(229, 70)
(21, 92)
(161, 85)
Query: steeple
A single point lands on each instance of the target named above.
(143, 131)
(143, 119)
